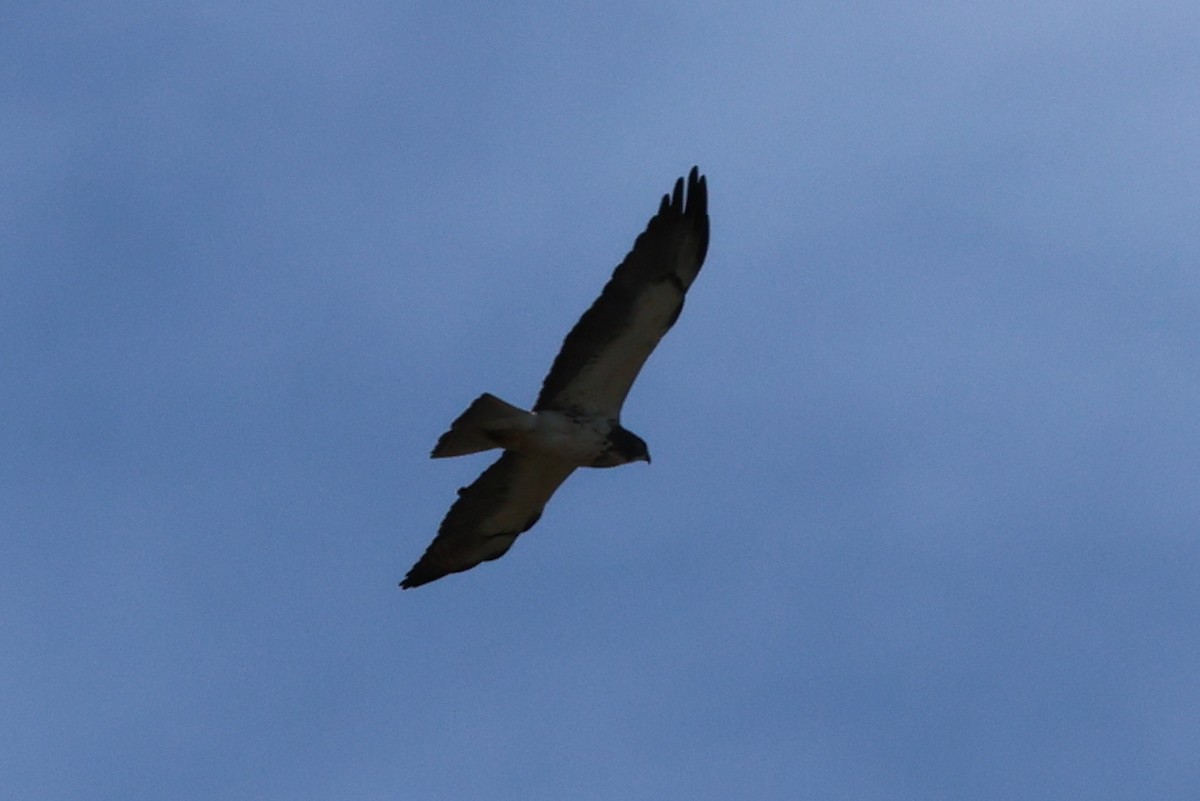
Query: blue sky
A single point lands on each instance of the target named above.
(922, 520)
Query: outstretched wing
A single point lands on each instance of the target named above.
(504, 502)
(606, 349)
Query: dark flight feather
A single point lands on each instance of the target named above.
(604, 352)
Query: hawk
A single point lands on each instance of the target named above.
(576, 421)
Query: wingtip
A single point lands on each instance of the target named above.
(424, 571)
(416, 578)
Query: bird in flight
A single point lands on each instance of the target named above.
(576, 421)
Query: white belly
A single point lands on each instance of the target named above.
(577, 440)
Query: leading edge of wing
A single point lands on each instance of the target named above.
(671, 249)
(504, 502)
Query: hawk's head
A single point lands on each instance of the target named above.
(623, 447)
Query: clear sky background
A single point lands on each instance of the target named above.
(924, 515)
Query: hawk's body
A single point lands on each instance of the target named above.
(576, 420)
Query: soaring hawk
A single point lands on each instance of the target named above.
(576, 421)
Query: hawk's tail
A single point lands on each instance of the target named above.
(487, 423)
